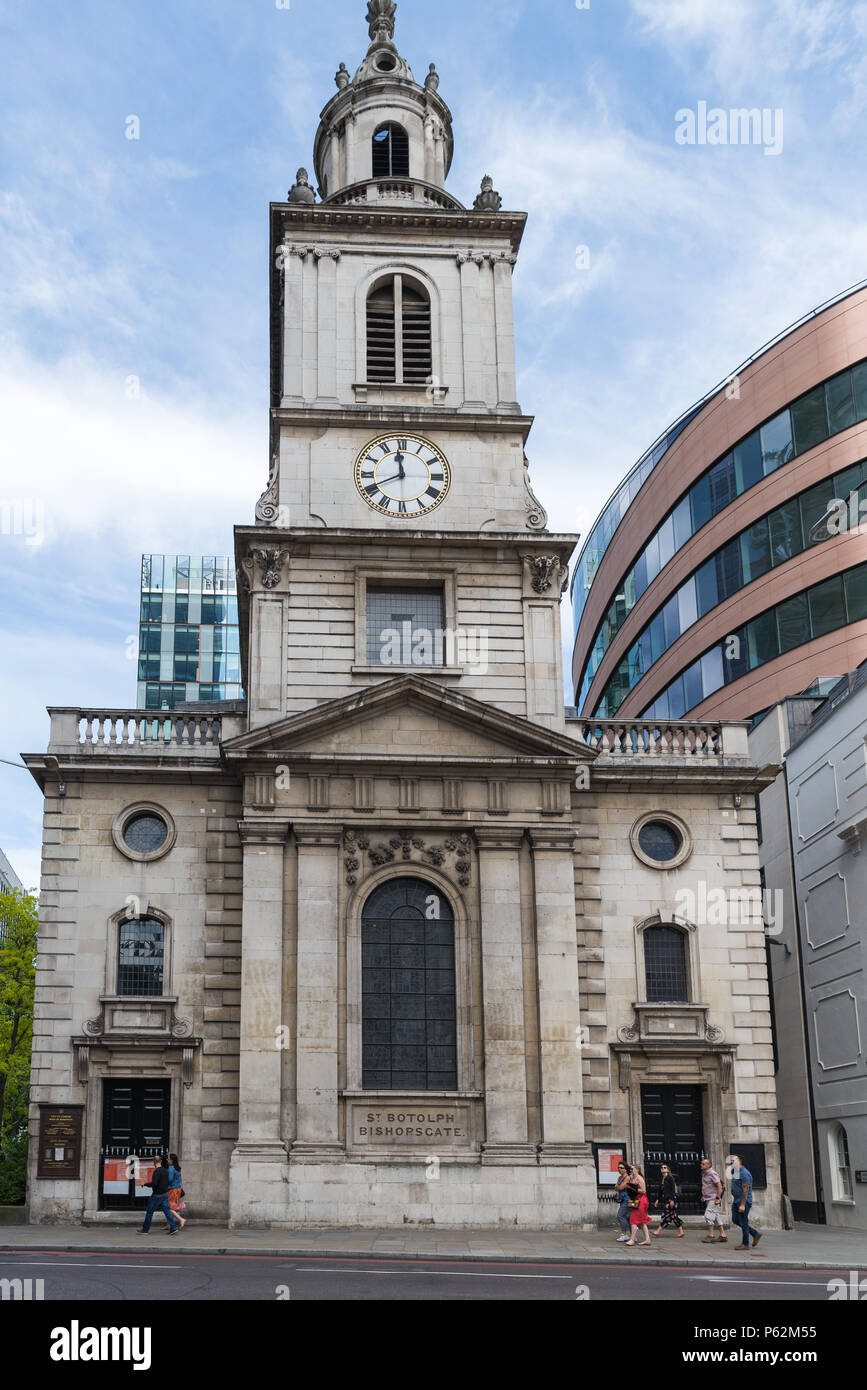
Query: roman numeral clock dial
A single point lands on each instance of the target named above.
(402, 476)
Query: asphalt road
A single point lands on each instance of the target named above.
(170, 1275)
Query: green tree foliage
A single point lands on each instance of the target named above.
(18, 928)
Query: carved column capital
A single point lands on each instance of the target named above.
(322, 835)
(263, 832)
(508, 838)
(546, 575)
(271, 561)
(552, 840)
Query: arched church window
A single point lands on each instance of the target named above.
(665, 965)
(140, 956)
(399, 348)
(391, 152)
(408, 1008)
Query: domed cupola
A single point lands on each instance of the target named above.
(383, 59)
(384, 139)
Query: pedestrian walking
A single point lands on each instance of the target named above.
(623, 1201)
(666, 1202)
(639, 1215)
(742, 1200)
(159, 1198)
(176, 1191)
(712, 1189)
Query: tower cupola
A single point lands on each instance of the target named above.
(385, 138)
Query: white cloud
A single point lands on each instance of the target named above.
(742, 41)
(701, 257)
(151, 472)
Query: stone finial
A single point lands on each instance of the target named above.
(432, 81)
(380, 19)
(341, 77)
(301, 192)
(488, 200)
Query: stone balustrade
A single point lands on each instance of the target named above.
(185, 733)
(413, 192)
(671, 740)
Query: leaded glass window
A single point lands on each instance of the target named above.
(660, 841)
(145, 834)
(141, 949)
(665, 965)
(408, 1004)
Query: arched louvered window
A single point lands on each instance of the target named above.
(399, 333)
(391, 152)
(665, 966)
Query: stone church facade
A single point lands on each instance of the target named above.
(399, 940)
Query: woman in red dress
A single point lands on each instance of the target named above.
(639, 1215)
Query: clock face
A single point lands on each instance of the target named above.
(402, 475)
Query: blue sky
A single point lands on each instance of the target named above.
(148, 259)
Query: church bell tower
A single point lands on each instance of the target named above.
(395, 423)
(406, 756)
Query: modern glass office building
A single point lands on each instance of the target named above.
(9, 880)
(729, 570)
(188, 631)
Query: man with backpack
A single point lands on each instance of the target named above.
(712, 1190)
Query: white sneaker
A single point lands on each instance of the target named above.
(620, 1238)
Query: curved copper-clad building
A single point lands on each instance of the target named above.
(726, 572)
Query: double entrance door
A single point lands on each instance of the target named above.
(135, 1132)
(671, 1118)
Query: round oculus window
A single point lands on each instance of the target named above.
(145, 833)
(660, 841)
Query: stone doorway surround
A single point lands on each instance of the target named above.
(708, 1065)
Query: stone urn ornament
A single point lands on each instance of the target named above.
(301, 192)
(488, 200)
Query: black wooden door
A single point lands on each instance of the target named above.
(135, 1131)
(674, 1134)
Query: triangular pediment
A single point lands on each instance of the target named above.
(410, 717)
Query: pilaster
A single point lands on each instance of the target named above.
(317, 1129)
(260, 1058)
(503, 996)
(471, 324)
(559, 1014)
(326, 260)
(504, 312)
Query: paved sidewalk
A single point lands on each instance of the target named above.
(806, 1247)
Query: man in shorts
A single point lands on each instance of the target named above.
(712, 1190)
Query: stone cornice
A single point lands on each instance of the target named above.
(317, 535)
(366, 416)
(297, 217)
